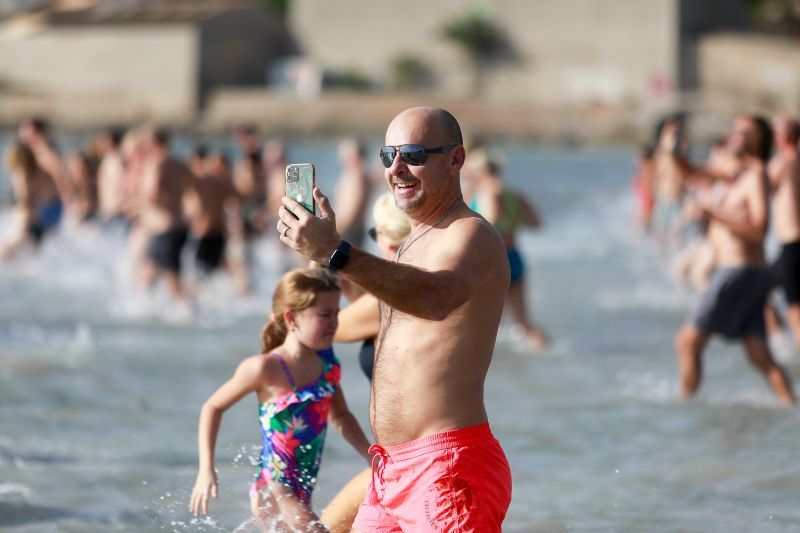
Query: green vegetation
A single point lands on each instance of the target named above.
(483, 42)
(775, 16)
(278, 7)
(408, 72)
(346, 79)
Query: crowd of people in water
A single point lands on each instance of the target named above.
(130, 179)
(211, 208)
(131, 182)
(426, 308)
(717, 222)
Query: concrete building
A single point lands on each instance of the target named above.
(758, 72)
(566, 51)
(575, 68)
(153, 62)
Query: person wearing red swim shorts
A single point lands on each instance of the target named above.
(436, 464)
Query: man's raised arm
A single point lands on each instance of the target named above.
(458, 269)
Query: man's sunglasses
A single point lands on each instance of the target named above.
(413, 154)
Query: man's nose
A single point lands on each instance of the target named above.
(398, 165)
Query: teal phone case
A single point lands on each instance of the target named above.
(300, 181)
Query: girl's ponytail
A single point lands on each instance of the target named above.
(273, 334)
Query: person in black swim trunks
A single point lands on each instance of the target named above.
(784, 175)
(733, 305)
(360, 321)
(165, 181)
(215, 196)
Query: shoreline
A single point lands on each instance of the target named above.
(347, 113)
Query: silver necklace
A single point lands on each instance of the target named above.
(404, 247)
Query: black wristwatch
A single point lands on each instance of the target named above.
(339, 257)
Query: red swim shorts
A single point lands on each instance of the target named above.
(453, 481)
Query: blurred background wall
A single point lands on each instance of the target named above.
(598, 67)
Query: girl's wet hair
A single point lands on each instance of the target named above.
(296, 290)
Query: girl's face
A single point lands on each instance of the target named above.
(316, 325)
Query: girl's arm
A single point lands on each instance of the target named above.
(350, 290)
(346, 424)
(250, 374)
(358, 321)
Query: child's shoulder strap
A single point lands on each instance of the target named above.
(285, 368)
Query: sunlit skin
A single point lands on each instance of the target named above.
(310, 330)
(359, 321)
(737, 228)
(441, 302)
(784, 175)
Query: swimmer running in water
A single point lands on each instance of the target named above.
(508, 210)
(296, 378)
(37, 201)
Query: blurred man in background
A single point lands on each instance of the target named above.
(784, 175)
(733, 306)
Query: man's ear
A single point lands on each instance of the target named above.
(458, 157)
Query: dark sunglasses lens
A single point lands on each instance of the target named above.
(413, 154)
(373, 234)
(387, 155)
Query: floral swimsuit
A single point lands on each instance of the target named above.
(293, 430)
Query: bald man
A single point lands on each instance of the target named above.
(784, 176)
(436, 464)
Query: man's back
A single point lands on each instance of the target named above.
(351, 201)
(165, 182)
(110, 185)
(212, 192)
(429, 372)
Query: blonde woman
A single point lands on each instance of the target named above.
(359, 321)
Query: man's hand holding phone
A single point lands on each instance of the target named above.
(300, 180)
(313, 237)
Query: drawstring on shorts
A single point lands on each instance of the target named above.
(378, 452)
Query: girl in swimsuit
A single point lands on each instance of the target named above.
(296, 380)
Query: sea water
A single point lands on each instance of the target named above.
(101, 386)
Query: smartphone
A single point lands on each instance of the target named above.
(301, 178)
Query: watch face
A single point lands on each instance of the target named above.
(339, 256)
(338, 259)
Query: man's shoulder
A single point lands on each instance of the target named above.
(471, 222)
(471, 229)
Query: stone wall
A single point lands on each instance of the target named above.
(127, 71)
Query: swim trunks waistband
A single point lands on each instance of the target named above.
(439, 441)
